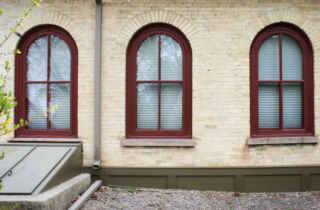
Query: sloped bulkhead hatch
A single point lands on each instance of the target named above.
(31, 168)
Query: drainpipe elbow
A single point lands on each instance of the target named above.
(96, 164)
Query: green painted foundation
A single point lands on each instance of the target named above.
(237, 179)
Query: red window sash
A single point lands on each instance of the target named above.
(20, 85)
(307, 95)
(131, 116)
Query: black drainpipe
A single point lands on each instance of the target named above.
(97, 87)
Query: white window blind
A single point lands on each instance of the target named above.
(171, 106)
(147, 106)
(60, 95)
(268, 105)
(291, 59)
(292, 105)
(269, 59)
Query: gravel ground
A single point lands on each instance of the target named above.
(154, 199)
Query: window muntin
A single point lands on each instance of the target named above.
(280, 110)
(159, 111)
(53, 50)
(160, 105)
(281, 83)
(46, 73)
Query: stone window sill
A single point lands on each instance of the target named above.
(158, 143)
(64, 140)
(283, 140)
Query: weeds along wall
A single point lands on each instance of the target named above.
(220, 33)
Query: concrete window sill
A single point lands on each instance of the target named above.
(158, 143)
(283, 140)
(44, 140)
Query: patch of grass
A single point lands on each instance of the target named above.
(217, 203)
(129, 191)
(120, 207)
(231, 207)
(118, 188)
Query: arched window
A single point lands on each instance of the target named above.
(159, 84)
(281, 83)
(46, 74)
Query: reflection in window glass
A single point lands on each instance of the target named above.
(147, 59)
(60, 59)
(36, 102)
(37, 60)
(171, 59)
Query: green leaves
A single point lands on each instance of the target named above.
(35, 3)
(10, 208)
(18, 22)
(1, 157)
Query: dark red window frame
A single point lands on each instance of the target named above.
(131, 91)
(21, 81)
(307, 100)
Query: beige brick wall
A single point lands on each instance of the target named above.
(220, 33)
(77, 17)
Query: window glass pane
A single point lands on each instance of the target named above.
(147, 105)
(292, 105)
(268, 105)
(60, 60)
(37, 60)
(171, 59)
(171, 106)
(60, 95)
(147, 59)
(269, 59)
(36, 102)
(291, 59)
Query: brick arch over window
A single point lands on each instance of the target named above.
(277, 16)
(281, 83)
(160, 16)
(159, 84)
(52, 18)
(46, 73)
